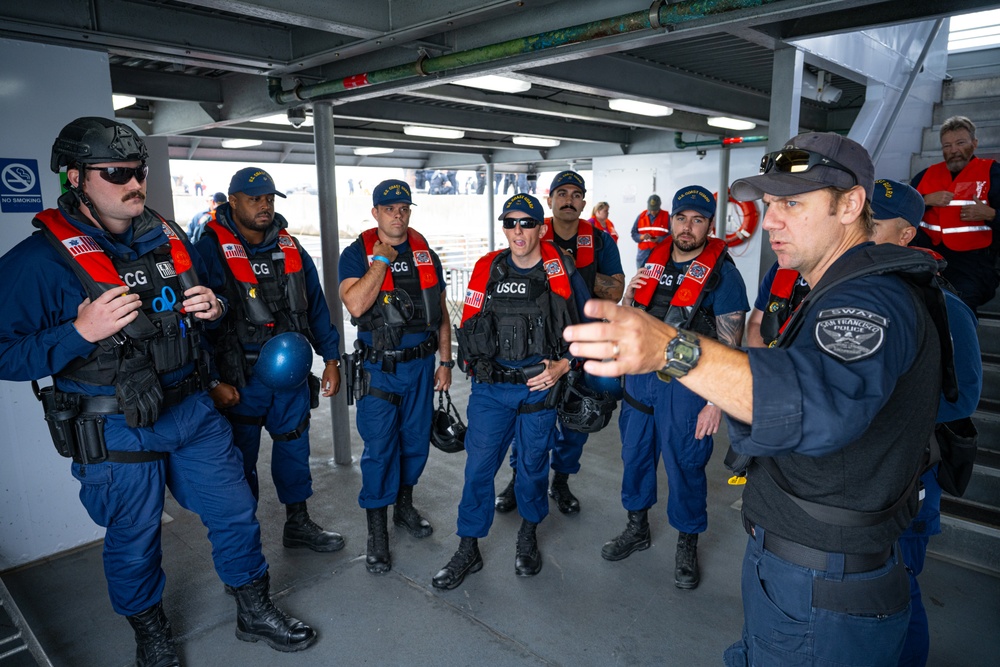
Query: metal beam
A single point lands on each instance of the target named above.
(354, 19)
(153, 85)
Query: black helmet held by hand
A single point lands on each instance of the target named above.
(92, 140)
(582, 408)
(447, 427)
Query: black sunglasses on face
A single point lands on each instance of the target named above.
(526, 223)
(798, 161)
(121, 175)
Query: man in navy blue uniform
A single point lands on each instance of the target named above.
(393, 285)
(835, 418)
(599, 264)
(688, 281)
(107, 300)
(517, 304)
(273, 287)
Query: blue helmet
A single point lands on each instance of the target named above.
(284, 361)
(612, 386)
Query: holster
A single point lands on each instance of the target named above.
(231, 360)
(60, 411)
(355, 377)
(315, 384)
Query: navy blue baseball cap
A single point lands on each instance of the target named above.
(525, 204)
(253, 181)
(893, 199)
(694, 198)
(392, 192)
(219, 198)
(568, 178)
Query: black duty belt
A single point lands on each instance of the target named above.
(814, 559)
(422, 351)
(108, 405)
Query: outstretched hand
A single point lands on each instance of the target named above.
(628, 342)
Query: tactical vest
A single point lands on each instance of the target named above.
(658, 228)
(679, 302)
(409, 300)
(943, 223)
(159, 278)
(588, 244)
(787, 292)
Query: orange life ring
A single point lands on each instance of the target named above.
(750, 217)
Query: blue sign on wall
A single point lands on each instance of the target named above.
(20, 190)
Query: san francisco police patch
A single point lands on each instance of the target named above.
(849, 334)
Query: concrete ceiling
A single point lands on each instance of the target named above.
(200, 70)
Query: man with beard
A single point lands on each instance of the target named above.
(107, 300)
(273, 288)
(600, 265)
(650, 227)
(962, 195)
(688, 281)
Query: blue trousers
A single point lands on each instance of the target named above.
(283, 412)
(566, 450)
(494, 420)
(203, 472)
(397, 438)
(667, 433)
(913, 546)
(782, 626)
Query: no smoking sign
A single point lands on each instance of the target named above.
(20, 190)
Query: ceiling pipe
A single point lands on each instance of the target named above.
(724, 141)
(659, 16)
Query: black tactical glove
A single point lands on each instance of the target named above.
(139, 392)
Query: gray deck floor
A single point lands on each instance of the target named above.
(580, 610)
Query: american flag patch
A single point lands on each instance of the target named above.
(584, 241)
(473, 298)
(169, 232)
(79, 245)
(285, 242)
(421, 257)
(697, 272)
(553, 268)
(653, 271)
(233, 250)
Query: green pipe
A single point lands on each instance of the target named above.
(667, 16)
(725, 141)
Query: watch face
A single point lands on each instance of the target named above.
(684, 353)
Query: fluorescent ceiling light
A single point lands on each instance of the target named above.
(641, 108)
(727, 123)
(500, 84)
(241, 143)
(435, 132)
(121, 101)
(535, 141)
(372, 150)
(281, 119)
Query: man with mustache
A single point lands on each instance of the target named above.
(688, 281)
(107, 300)
(962, 195)
(273, 287)
(600, 265)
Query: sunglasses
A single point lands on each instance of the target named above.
(798, 161)
(121, 175)
(526, 223)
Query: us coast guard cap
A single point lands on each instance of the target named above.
(392, 192)
(525, 204)
(253, 181)
(568, 178)
(897, 200)
(694, 198)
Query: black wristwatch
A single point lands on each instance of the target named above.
(680, 356)
(447, 364)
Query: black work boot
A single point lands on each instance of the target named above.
(257, 619)
(377, 560)
(301, 531)
(559, 491)
(465, 561)
(635, 537)
(686, 569)
(528, 560)
(507, 501)
(406, 515)
(154, 639)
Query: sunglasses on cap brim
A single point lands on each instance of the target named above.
(121, 175)
(526, 223)
(799, 161)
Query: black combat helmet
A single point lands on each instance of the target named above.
(91, 140)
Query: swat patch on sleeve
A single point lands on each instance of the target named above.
(849, 334)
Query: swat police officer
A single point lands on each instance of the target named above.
(106, 298)
(597, 260)
(517, 304)
(688, 281)
(393, 285)
(273, 288)
(837, 415)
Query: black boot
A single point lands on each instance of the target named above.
(507, 501)
(377, 560)
(258, 619)
(465, 561)
(528, 561)
(406, 515)
(686, 570)
(559, 491)
(635, 537)
(154, 639)
(301, 531)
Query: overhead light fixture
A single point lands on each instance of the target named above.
(283, 119)
(435, 132)
(241, 143)
(727, 123)
(540, 142)
(817, 87)
(500, 84)
(121, 101)
(641, 108)
(371, 150)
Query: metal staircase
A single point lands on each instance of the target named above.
(18, 645)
